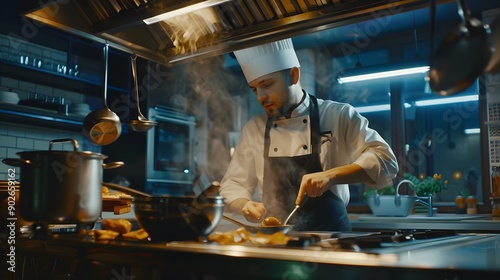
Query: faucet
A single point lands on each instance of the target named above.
(424, 200)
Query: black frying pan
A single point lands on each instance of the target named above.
(461, 57)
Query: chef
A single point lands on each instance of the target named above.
(303, 151)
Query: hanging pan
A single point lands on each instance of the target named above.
(461, 57)
(102, 126)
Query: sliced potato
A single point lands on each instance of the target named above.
(139, 234)
(118, 225)
(102, 234)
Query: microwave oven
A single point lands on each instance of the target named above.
(170, 164)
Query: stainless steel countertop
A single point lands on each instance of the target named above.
(457, 222)
(464, 251)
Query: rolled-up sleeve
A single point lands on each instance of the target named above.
(357, 143)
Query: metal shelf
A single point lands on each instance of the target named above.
(31, 115)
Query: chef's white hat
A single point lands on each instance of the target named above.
(266, 59)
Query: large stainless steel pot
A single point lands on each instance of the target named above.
(60, 187)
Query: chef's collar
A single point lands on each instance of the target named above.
(303, 107)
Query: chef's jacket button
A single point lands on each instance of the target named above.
(304, 120)
(275, 125)
(304, 147)
(275, 149)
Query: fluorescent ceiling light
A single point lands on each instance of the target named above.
(184, 10)
(472, 131)
(384, 74)
(420, 103)
(447, 100)
(373, 108)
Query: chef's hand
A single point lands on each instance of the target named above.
(313, 184)
(253, 211)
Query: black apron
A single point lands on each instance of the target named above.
(282, 177)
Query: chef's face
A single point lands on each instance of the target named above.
(273, 93)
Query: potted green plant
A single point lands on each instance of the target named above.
(424, 187)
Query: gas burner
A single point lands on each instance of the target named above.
(40, 229)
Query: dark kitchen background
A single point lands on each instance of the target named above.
(52, 67)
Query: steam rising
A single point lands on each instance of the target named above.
(206, 89)
(187, 31)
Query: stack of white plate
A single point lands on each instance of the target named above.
(9, 97)
(82, 109)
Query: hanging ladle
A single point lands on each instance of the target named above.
(142, 124)
(103, 126)
(461, 57)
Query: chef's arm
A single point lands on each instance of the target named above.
(349, 174)
(314, 184)
(237, 205)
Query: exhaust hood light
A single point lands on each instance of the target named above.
(384, 74)
(184, 10)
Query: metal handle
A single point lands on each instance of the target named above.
(16, 161)
(250, 228)
(75, 143)
(105, 79)
(291, 214)
(111, 165)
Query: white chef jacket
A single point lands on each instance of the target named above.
(346, 138)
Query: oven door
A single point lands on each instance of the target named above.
(170, 167)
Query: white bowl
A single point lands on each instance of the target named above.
(9, 97)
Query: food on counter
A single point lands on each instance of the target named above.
(103, 234)
(116, 202)
(139, 234)
(277, 238)
(118, 225)
(113, 228)
(241, 235)
(270, 221)
(106, 194)
(105, 190)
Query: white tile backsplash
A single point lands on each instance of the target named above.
(25, 143)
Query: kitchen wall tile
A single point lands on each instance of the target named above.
(45, 90)
(24, 143)
(3, 128)
(40, 145)
(10, 83)
(34, 51)
(16, 130)
(7, 141)
(3, 152)
(12, 152)
(27, 86)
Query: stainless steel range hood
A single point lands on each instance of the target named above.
(218, 29)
